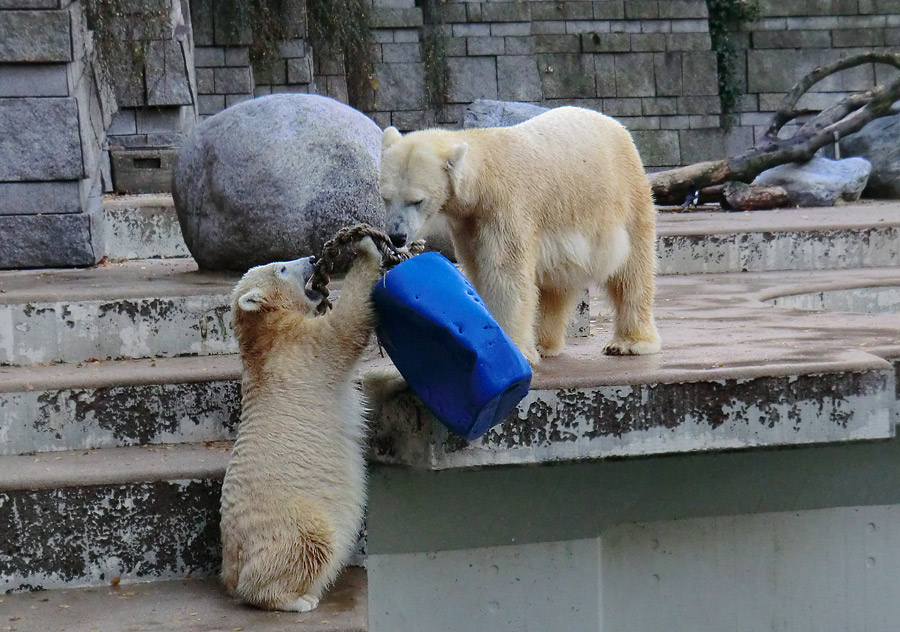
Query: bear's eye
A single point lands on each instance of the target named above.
(416, 202)
(283, 272)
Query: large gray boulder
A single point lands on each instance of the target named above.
(273, 178)
(819, 182)
(879, 143)
(488, 113)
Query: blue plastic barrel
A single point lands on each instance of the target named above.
(447, 346)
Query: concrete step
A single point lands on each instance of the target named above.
(84, 518)
(716, 329)
(116, 515)
(159, 308)
(194, 605)
(862, 235)
(141, 227)
(114, 404)
(138, 309)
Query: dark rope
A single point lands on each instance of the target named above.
(338, 254)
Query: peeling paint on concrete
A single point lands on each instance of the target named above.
(773, 251)
(640, 420)
(86, 536)
(33, 333)
(135, 414)
(142, 233)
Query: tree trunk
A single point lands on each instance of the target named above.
(841, 119)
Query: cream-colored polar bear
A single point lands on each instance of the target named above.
(294, 489)
(537, 212)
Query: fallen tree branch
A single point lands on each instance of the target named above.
(845, 117)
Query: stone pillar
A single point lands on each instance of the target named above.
(53, 114)
(155, 110)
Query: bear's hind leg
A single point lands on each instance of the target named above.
(556, 305)
(285, 570)
(631, 290)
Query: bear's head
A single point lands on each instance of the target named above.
(267, 292)
(419, 173)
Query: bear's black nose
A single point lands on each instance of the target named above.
(398, 239)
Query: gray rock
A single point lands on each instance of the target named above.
(488, 113)
(879, 143)
(819, 182)
(273, 178)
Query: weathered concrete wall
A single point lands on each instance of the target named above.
(806, 538)
(82, 536)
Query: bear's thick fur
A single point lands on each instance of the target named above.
(294, 490)
(537, 211)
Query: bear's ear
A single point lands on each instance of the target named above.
(454, 163)
(389, 137)
(251, 301)
(457, 153)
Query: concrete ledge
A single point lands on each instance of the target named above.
(130, 310)
(647, 419)
(83, 518)
(183, 606)
(855, 236)
(734, 372)
(114, 466)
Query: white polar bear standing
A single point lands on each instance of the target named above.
(537, 211)
(294, 490)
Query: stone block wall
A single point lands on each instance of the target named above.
(53, 117)
(648, 63)
(226, 76)
(792, 37)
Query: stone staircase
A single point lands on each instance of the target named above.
(119, 394)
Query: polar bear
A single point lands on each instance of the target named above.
(294, 489)
(537, 212)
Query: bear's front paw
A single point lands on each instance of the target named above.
(532, 355)
(550, 350)
(366, 249)
(624, 347)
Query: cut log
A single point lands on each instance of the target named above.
(845, 117)
(737, 196)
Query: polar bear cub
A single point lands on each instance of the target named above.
(294, 490)
(537, 212)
